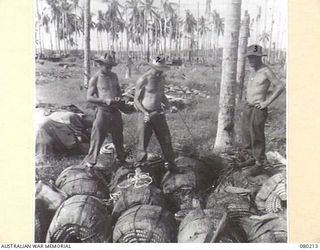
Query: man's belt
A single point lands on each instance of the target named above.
(108, 109)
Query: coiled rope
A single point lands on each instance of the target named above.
(137, 180)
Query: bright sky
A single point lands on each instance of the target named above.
(278, 8)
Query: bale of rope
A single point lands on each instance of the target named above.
(200, 223)
(81, 218)
(272, 196)
(269, 228)
(237, 205)
(119, 176)
(145, 224)
(80, 180)
(130, 197)
(239, 178)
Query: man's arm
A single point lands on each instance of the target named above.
(119, 92)
(92, 92)
(279, 88)
(140, 85)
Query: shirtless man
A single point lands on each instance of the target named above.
(257, 101)
(105, 92)
(148, 99)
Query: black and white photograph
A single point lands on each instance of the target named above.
(160, 121)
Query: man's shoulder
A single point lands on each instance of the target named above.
(144, 77)
(266, 69)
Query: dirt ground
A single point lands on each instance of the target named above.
(59, 84)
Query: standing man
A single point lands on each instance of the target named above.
(258, 99)
(148, 99)
(104, 91)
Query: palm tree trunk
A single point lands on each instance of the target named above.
(179, 37)
(170, 40)
(243, 43)
(198, 34)
(51, 43)
(58, 36)
(225, 131)
(148, 45)
(101, 42)
(270, 41)
(213, 46)
(127, 32)
(75, 27)
(165, 37)
(39, 27)
(98, 45)
(87, 21)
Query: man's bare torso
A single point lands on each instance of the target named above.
(258, 86)
(107, 85)
(153, 92)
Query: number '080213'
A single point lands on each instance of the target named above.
(308, 246)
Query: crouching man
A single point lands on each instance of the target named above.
(149, 96)
(104, 91)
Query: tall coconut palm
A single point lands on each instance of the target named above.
(203, 31)
(87, 22)
(45, 23)
(75, 5)
(149, 14)
(168, 11)
(173, 30)
(189, 27)
(225, 131)
(243, 44)
(56, 15)
(81, 24)
(208, 9)
(209, 16)
(114, 20)
(38, 27)
(100, 27)
(218, 31)
(258, 24)
(135, 25)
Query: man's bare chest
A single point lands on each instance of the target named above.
(154, 86)
(106, 82)
(258, 79)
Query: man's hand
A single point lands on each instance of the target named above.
(261, 105)
(146, 117)
(113, 102)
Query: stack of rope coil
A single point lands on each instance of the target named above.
(145, 223)
(272, 194)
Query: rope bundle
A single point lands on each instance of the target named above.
(272, 194)
(141, 236)
(74, 233)
(137, 180)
